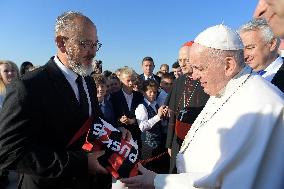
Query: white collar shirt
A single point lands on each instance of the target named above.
(71, 78)
(142, 118)
(272, 69)
(128, 99)
(149, 77)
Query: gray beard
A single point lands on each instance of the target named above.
(80, 69)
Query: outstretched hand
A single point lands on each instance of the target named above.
(143, 181)
(126, 134)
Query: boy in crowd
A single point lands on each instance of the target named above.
(105, 104)
(149, 115)
(125, 101)
(165, 88)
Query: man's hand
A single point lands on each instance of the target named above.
(125, 133)
(123, 119)
(170, 151)
(163, 111)
(93, 163)
(145, 180)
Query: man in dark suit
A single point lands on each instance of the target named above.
(46, 108)
(148, 68)
(125, 101)
(261, 51)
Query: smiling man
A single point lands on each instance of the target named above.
(261, 51)
(44, 110)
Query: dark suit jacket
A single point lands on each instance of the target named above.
(156, 78)
(278, 79)
(120, 108)
(39, 117)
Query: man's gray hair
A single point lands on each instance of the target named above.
(65, 22)
(261, 25)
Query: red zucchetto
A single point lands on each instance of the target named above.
(188, 44)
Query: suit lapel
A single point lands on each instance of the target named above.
(134, 102)
(62, 86)
(278, 79)
(123, 103)
(92, 90)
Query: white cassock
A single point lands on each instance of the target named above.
(237, 141)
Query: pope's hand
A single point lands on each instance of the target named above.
(143, 181)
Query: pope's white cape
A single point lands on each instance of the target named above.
(241, 144)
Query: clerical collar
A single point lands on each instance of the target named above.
(189, 76)
(241, 76)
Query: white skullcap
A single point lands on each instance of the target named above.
(220, 37)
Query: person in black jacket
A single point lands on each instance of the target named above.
(43, 111)
(148, 68)
(125, 101)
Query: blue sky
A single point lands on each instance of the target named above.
(128, 29)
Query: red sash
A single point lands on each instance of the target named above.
(181, 129)
(81, 131)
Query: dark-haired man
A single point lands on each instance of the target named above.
(148, 68)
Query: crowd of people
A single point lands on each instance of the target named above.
(215, 120)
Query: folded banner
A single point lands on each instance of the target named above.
(120, 157)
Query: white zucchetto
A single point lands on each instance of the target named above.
(220, 37)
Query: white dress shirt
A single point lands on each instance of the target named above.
(128, 99)
(272, 69)
(142, 116)
(71, 78)
(149, 77)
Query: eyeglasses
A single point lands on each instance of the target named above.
(86, 43)
(89, 44)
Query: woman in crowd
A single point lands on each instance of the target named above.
(8, 72)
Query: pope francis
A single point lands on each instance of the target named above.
(237, 141)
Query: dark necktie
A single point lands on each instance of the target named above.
(83, 101)
(261, 72)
